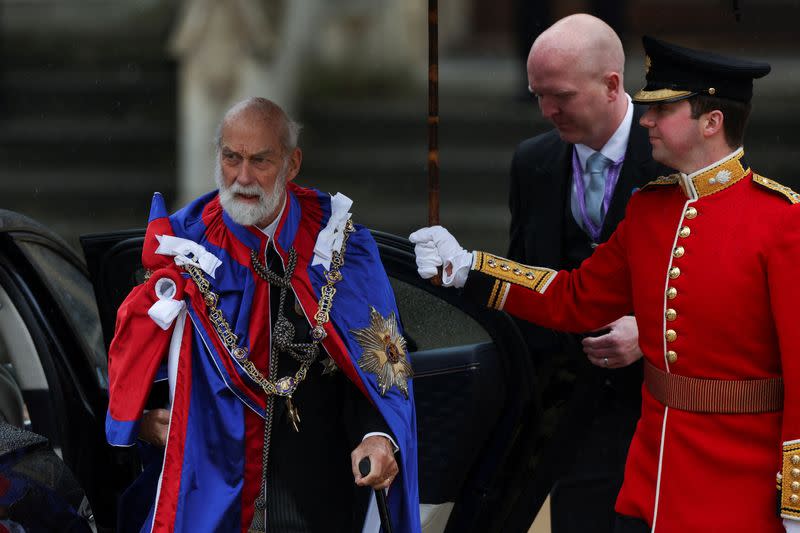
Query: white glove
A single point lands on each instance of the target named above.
(458, 268)
(428, 259)
(455, 259)
(792, 526)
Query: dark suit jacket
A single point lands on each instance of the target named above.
(541, 180)
(539, 196)
(602, 406)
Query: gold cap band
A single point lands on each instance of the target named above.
(661, 95)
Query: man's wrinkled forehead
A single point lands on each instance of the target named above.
(250, 136)
(247, 153)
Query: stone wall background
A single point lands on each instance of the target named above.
(104, 101)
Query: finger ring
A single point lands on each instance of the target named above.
(605, 362)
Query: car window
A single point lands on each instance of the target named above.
(73, 292)
(12, 405)
(431, 323)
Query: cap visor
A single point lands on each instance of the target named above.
(660, 95)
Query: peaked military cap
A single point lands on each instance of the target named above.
(674, 73)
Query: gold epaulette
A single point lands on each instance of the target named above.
(534, 278)
(789, 480)
(773, 185)
(672, 179)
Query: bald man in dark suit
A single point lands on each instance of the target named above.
(562, 206)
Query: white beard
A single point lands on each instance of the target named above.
(248, 213)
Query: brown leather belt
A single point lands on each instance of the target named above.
(714, 395)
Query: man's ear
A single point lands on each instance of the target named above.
(295, 161)
(712, 122)
(613, 85)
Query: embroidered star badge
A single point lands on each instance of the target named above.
(384, 352)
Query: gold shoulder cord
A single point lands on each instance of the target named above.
(790, 195)
(672, 179)
(286, 385)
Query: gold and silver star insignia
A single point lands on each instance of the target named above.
(384, 352)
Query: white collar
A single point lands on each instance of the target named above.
(615, 147)
(269, 231)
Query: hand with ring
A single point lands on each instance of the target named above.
(384, 466)
(617, 348)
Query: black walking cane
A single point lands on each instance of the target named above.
(364, 466)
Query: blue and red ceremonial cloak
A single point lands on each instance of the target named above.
(212, 467)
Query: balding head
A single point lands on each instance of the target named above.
(265, 111)
(585, 41)
(575, 70)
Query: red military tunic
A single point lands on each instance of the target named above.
(708, 263)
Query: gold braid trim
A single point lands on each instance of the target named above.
(790, 195)
(789, 480)
(721, 176)
(672, 179)
(534, 278)
(660, 95)
(496, 297)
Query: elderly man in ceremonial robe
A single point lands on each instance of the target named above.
(269, 313)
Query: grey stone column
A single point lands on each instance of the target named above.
(229, 50)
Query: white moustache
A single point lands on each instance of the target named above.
(249, 190)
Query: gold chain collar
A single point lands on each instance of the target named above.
(286, 385)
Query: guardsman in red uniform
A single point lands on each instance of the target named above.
(707, 259)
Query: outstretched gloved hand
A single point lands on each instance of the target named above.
(435, 246)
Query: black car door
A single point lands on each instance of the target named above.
(53, 379)
(475, 387)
